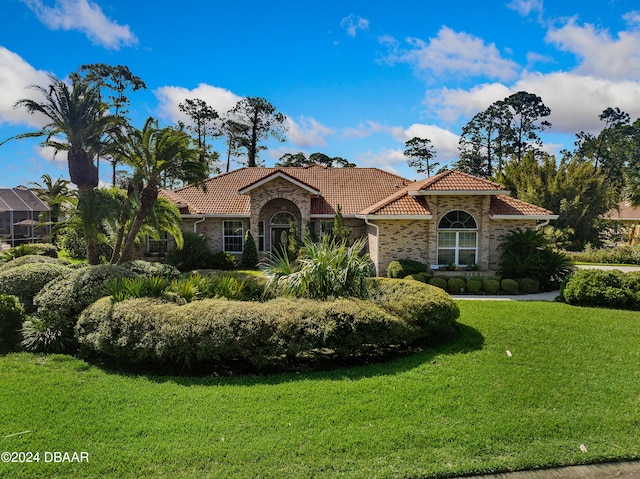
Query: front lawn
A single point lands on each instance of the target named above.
(572, 379)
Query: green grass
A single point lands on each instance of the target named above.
(573, 379)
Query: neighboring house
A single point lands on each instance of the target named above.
(449, 218)
(628, 216)
(20, 211)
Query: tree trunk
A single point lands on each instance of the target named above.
(82, 172)
(147, 200)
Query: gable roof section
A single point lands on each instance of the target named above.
(20, 199)
(453, 182)
(506, 207)
(352, 188)
(278, 174)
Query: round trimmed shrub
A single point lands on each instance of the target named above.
(65, 299)
(455, 285)
(509, 286)
(474, 286)
(220, 334)
(404, 267)
(528, 285)
(27, 280)
(427, 308)
(491, 286)
(593, 287)
(148, 269)
(11, 317)
(417, 277)
(41, 249)
(438, 282)
(32, 258)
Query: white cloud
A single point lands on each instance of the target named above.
(170, 97)
(352, 24)
(84, 16)
(525, 7)
(364, 130)
(452, 52)
(632, 18)
(575, 101)
(601, 54)
(387, 159)
(307, 132)
(15, 76)
(444, 142)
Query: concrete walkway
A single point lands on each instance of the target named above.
(619, 470)
(546, 296)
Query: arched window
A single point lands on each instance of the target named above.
(283, 218)
(457, 239)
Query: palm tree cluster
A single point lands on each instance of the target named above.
(78, 121)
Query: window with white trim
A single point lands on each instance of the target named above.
(232, 236)
(326, 228)
(457, 239)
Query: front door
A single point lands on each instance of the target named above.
(279, 239)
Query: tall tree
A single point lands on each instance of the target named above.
(420, 152)
(150, 152)
(484, 141)
(205, 124)
(525, 111)
(76, 113)
(234, 132)
(262, 121)
(117, 79)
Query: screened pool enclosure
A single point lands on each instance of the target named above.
(21, 217)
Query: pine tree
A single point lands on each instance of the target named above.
(249, 252)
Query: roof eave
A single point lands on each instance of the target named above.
(523, 217)
(459, 192)
(273, 176)
(394, 217)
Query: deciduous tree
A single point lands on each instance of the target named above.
(420, 152)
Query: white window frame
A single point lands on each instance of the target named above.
(226, 236)
(159, 245)
(456, 248)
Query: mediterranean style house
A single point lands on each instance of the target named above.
(450, 218)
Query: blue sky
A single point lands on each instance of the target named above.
(355, 79)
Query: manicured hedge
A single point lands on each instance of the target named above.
(27, 280)
(11, 317)
(220, 334)
(404, 267)
(600, 288)
(32, 258)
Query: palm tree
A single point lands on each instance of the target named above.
(55, 194)
(78, 114)
(153, 152)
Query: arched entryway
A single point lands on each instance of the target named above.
(276, 218)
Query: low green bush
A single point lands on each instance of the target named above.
(456, 285)
(11, 317)
(149, 269)
(624, 254)
(417, 277)
(474, 286)
(404, 267)
(32, 258)
(59, 303)
(491, 286)
(528, 285)
(599, 288)
(27, 280)
(196, 254)
(509, 286)
(438, 282)
(217, 334)
(41, 249)
(427, 308)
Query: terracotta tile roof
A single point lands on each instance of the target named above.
(406, 205)
(352, 188)
(502, 205)
(453, 180)
(624, 211)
